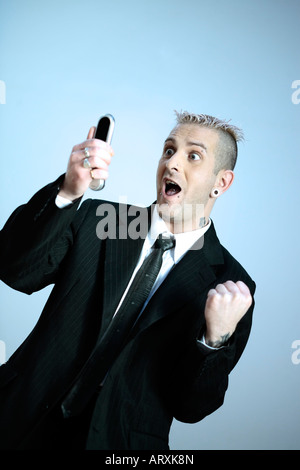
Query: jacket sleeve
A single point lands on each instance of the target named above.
(35, 240)
(201, 376)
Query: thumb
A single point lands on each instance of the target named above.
(91, 132)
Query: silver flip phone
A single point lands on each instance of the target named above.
(103, 132)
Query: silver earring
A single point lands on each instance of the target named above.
(215, 193)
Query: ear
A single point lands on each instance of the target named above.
(223, 181)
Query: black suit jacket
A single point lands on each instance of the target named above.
(161, 373)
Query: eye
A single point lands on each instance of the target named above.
(169, 151)
(195, 156)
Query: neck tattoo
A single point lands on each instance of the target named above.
(202, 222)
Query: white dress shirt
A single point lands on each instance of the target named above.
(184, 241)
(171, 257)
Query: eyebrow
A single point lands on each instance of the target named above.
(197, 144)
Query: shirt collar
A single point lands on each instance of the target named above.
(184, 241)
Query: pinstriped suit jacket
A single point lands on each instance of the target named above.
(162, 372)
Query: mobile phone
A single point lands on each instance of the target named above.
(104, 131)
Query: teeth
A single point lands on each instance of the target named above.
(171, 187)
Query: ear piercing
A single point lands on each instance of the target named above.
(215, 193)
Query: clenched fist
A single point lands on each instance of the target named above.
(78, 177)
(225, 306)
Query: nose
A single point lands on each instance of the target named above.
(175, 161)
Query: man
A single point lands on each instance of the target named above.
(188, 335)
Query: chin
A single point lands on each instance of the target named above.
(170, 213)
(181, 217)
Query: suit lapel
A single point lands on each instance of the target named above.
(187, 279)
(191, 276)
(121, 257)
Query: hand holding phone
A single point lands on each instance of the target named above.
(104, 131)
(84, 156)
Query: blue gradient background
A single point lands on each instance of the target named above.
(65, 63)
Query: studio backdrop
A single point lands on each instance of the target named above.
(65, 63)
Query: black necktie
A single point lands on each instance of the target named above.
(113, 339)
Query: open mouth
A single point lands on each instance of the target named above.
(171, 188)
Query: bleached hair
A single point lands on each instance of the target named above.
(229, 135)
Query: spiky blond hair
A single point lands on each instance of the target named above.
(229, 135)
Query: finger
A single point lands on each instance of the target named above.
(99, 174)
(221, 289)
(93, 152)
(232, 287)
(211, 292)
(245, 292)
(100, 154)
(243, 288)
(97, 163)
(93, 143)
(91, 133)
